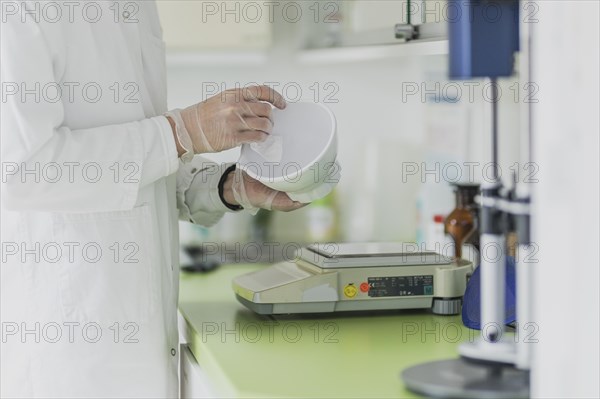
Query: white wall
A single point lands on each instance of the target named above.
(378, 130)
(375, 131)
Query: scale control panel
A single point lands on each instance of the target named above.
(390, 286)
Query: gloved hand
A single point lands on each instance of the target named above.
(227, 120)
(241, 189)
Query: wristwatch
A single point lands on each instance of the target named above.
(221, 183)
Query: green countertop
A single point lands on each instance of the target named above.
(338, 355)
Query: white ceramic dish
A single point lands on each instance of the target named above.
(302, 158)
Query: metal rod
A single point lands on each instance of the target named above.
(495, 129)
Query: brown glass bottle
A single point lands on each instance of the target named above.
(461, 223)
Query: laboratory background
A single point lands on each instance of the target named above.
(420, 139)
(403, 125)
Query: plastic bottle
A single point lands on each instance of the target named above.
(438, 240)
(322, 219)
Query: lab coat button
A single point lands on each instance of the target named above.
(173, 352)
(194, 170)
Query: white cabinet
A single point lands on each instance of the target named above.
(366, 15)
(373, 21)
(193, 381)
(430, 11)
(201, 25)
(209, 25)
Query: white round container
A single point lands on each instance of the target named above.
(300, 156)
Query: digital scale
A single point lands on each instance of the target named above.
(338, 277)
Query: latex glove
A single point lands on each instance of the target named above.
(252, 195)
(227, 120)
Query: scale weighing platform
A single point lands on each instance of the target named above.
(338, 277)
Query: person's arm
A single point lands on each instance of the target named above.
(206, 190)
(101, 168)
(198, 197)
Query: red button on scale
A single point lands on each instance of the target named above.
(364, 287)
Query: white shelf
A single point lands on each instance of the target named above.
(215, 58)
(335, 55)
(376, 52)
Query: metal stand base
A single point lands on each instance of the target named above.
(503, 351)
(458, 378)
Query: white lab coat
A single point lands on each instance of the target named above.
(89, 277)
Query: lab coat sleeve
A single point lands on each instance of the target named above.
(46, 165)
(198, 191)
